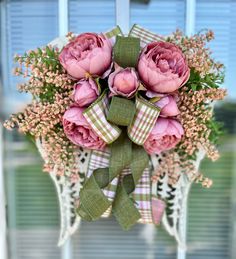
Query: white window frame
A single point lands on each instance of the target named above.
(123, 20)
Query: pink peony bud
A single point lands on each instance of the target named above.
(123, 82)
(85, 92)
(167, 103)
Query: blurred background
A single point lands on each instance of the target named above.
(32, 211)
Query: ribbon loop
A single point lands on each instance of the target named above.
(123, 207)
(144, 35)
(96, 114)
(99, 178)
(91, 193)
(93, 202)
(126, 51)
(121, 111)
(144, 120)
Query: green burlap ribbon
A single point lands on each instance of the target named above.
(126, 51)
(121, 111)
(123, 206)
(124, 154)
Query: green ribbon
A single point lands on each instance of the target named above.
(123, 206)
(121, 111)
(126, 51)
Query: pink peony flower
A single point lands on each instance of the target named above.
(123, 82)
(87, 53)
(85, 92)
(162, 67)
(167, 103)
(79, 131)
(165, 135)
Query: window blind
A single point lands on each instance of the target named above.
(210, 212)
(219, 15)
(91, 16)
(160, 16)
(28, 25)
(33, 221)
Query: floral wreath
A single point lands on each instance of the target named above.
(138, 107)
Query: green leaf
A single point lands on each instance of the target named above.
(194, 87)
(154, 99)
(40, 51)
(49, 52)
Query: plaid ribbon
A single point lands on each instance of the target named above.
(96, 117)
(142, 196)
(143, 122)
(113, 33)
(100, 159)
(144, 35)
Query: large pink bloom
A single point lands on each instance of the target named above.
(79, 131)
(165, 135)
(163, 67)
(87, 53)
(123, 81)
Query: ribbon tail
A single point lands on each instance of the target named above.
(93, 202)
(123, 207)
(124, 210)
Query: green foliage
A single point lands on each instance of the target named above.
(196, 82)
(47, 56)
(217, 130)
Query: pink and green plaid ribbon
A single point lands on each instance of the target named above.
(142, 195)
(100, 159)
(144, 120)
(144, 35)
(113, 33)
(96, 117)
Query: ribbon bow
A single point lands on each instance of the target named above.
(110, 122)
